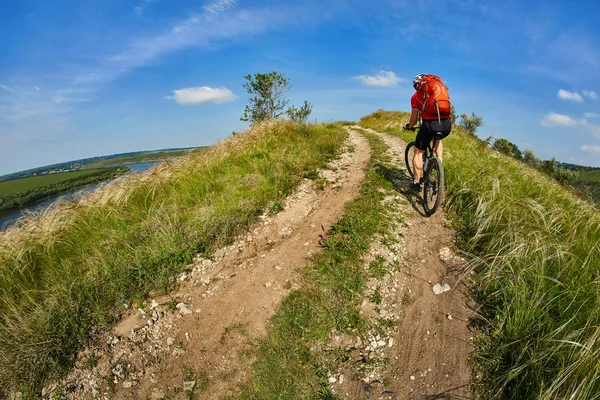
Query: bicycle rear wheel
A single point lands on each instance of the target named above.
(433, 186)
(409, 154)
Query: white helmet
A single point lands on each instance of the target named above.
(417, 80)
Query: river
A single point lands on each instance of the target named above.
(8, 219)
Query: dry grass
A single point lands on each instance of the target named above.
(68, 273)
(536, 249)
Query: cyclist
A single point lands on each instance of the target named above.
(433, 124)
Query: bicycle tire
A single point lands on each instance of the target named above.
(408, 158)
(433, 186)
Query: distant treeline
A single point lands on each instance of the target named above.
(136, 156)
(581, 168)
(24, 198)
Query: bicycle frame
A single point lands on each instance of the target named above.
(433, 175)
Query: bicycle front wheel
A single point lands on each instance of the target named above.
(409, 154)
(433, 186)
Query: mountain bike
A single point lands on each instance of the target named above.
(433, 176)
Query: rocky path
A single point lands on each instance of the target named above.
(197, 339)
(432, 343)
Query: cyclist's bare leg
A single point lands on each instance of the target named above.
(418, 164)
(438, 148)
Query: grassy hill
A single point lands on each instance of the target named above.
(67, 274)
(587, 182)
(591, 176)
(534, 248)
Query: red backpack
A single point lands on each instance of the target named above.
(436, 97)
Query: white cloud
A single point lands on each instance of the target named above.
(554, 119)
(591, 94)
(383, 79)
(219, 6)
(591, 149)
(591, 115)
(204, 29)
(219, 21)
(204, 94)
(563, 94)
(79, 80)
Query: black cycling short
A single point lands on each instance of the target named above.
(431, 128)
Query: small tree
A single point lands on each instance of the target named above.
(470, 124)
(506, 147)
(267, 99)
(453, 114)
(549, 166)
(300, 114)
(530, 158)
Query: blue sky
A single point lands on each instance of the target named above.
(81, 78)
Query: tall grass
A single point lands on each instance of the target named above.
(536, 250)
(68, 274)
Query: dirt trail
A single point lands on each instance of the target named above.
(223, 304)
(197, 338)
(430, 360)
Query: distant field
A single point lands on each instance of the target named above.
(19, 185)
(151, 156)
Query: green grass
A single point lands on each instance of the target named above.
(536, 250)
(590, 176)
(19, 185)
(67, 275)
(332, 289)
(29, 196)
